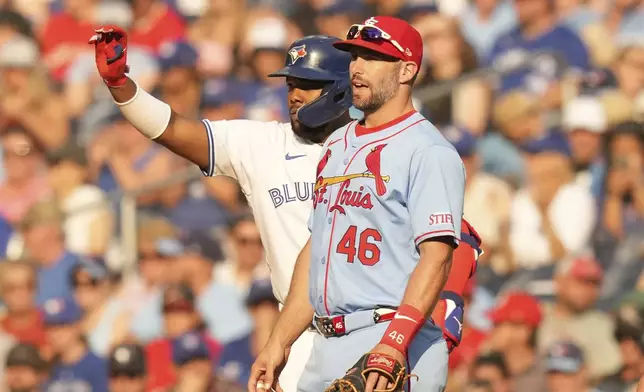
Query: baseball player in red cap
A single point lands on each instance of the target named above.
(387, 215)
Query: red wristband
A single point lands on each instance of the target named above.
(403, 327)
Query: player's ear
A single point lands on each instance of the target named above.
(408, 72)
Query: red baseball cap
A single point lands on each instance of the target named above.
(584, 268)
(518, 307)
(404, 35)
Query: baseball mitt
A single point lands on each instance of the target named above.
(355, 380)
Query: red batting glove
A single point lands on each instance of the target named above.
(110, 43)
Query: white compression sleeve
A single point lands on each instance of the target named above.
(149, 115)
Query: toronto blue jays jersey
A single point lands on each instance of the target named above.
(377, 196)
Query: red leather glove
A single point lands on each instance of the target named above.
(110, 43)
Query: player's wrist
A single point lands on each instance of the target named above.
(403, 328)
(115, 82)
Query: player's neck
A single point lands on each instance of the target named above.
(391, 110)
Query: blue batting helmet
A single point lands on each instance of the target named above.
(315, 58)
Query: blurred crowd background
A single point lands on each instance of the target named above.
(125, 271)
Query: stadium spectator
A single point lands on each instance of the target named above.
(622, 221)
(24, 183)
(566, 368)
(27, 100)
(220, 304)
(247, 255)
(450, 56)
(539, 30)
(154, 23)
(237, 356)
(264, 45)
(551, 216)
(193, 360)
(180, 84)
(572, 317)
(22, 318)
(123, 159)
(518, 119)
(64, 35)
(74, 365)
(44, 238)
(13, 24)
(624, 20)
(127, 368)
(180, 317)
(492, 369)
(25, 369)
(105, 322)
(6, 343)
(584, 121)
(89, 231)
(484, 21)
(86, 99)
(487, 205)
(516, 320)
(336, 18)
(629, 333)
(202, 204)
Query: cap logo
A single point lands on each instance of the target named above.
(371, 21)
(407, 52)
(53, 306)
(297, 52)
(122, 355)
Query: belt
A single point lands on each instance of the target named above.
(336, 326)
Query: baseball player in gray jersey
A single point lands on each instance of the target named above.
(388, 202)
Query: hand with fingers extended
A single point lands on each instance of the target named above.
(265, 372)
(110, 43)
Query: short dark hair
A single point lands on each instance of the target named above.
(495, 359)
(245, 216)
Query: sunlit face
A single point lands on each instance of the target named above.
(20, 158)
(566, 382)
(15, 79)
(578, 294)
(18, 289)
(300, 93)
(585, 146)
(375, 79)
(248, 244)
(21, 378)
(62, 337)
(88, 291)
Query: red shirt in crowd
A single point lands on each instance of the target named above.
(31, 331)
(63, 37)
(161, 370)
(167, 27)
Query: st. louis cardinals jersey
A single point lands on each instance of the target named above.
(275, 169)
(378, 194)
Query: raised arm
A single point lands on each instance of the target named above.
(150, 116)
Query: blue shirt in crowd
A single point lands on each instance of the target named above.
(88, 374)
(536, 78)
(236, 360)
(54, 281)
(5, 235)
(221, 307)
(482, 34)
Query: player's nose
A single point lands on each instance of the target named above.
(295, 95)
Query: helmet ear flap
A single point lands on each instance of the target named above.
(334, 101)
